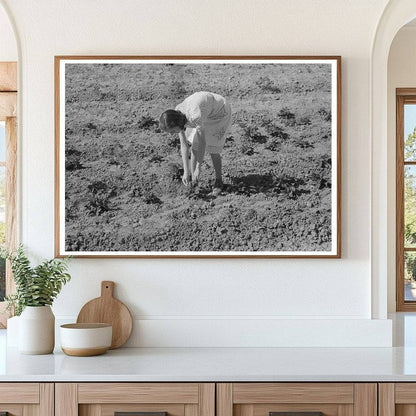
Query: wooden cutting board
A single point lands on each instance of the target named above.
(107, 309)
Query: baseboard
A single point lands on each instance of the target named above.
(251, 332)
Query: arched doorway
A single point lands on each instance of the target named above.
(396, 14)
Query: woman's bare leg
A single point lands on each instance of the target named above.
(197, 154)
(217, 162)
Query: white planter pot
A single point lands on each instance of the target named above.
(37, 330)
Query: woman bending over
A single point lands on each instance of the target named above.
(201, 121)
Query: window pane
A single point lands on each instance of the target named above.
(410, 206)
(2, 208)
(410, 275)
(410, 132)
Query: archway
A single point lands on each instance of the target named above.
(396, 14)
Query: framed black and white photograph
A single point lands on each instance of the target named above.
(198, 156)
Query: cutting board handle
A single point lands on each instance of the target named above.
(107, 289)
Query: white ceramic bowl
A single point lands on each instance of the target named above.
(84, 340)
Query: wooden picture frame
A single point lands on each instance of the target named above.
(118, 187)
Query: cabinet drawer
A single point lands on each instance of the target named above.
(296, 399)
(138, 393)
(19, 393)
(21, 399)
(397, 399)
(108, 399)
(143, 409)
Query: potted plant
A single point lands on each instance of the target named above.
(36, 289)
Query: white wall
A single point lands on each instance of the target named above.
(181, 301)
(401, 74)
(8, 47)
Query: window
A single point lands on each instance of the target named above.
(406, 199)
(8, 167)
(2, 206)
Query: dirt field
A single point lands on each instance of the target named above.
(123, 176)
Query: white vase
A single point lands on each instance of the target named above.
(37, 330)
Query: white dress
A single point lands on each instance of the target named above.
(208, 114)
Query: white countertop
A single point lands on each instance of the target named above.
(213, 364)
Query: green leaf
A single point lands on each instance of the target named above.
(35, 286)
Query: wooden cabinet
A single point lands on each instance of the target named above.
(27, 399)
(208, 399)
(106, 399)
(397, 399)
(297, 399)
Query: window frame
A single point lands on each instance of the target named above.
(8, 113)
(403, 96)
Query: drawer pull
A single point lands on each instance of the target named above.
(296, 414)
(139, 414)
